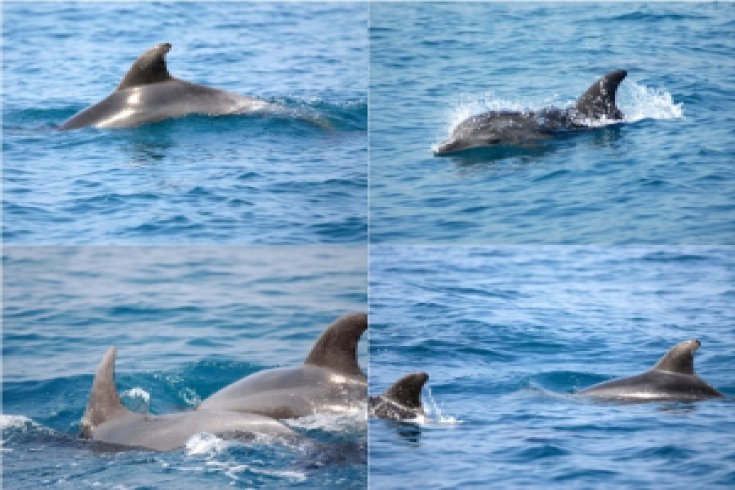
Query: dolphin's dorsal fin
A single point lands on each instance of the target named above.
(150, 67)
(407, 390)
(680, 359)
(599, 100)
(336, 348)
(104, 402)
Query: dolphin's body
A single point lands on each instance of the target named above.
(107, 420)
(672, 378)
(515, 128)
(329, 381)
(148, 93)
(402, 401)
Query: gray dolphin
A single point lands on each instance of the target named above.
(402, 400)
(329, 381)
(513, 128)
(148, 93)
(672, 378)
(107, 420)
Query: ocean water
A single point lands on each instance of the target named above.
(186, 321)
(296, 178)
(507, 334)
(663, 176)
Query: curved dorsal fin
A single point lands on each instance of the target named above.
(150, 67)
(680, 359)
(599, 100)
(336, 348)
(407, 390)
(104, 401)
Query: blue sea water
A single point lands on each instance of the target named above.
(508, 333)
(665, 175)
(186, 321)
(299, 178)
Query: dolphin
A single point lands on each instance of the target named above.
(672, 378)
(402, 400)
(514, 128)
(107, 420)
(329, 381)
(148, 93)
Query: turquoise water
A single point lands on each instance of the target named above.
(186, 321)
(233, 179)
(664, 176)
(507, 334)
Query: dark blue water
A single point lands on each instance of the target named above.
(507, 334)
(294, 178)
(664, 176)
(186, 321)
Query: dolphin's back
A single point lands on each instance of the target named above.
(148, 93)
(654, 385)
(171, 431)
(289, 392)
(154, 102)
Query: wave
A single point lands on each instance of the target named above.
(15, 422)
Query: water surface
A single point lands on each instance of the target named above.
(508, 334)
(294, 178)
(664, 176)
(186, 321)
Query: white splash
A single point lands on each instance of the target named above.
(294, 476)
(344, 419)
(14, 421)
(640, 102)
(469, 106)
(232, 470)
(138, 392)
(435, 414)
(205, 443)
(191, 397)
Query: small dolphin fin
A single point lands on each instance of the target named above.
(104, 402)
(150, 67)
(336, 348)
(680, 359)
(599, 100)
(407, 390)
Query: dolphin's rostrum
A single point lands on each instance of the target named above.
(516, 128)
